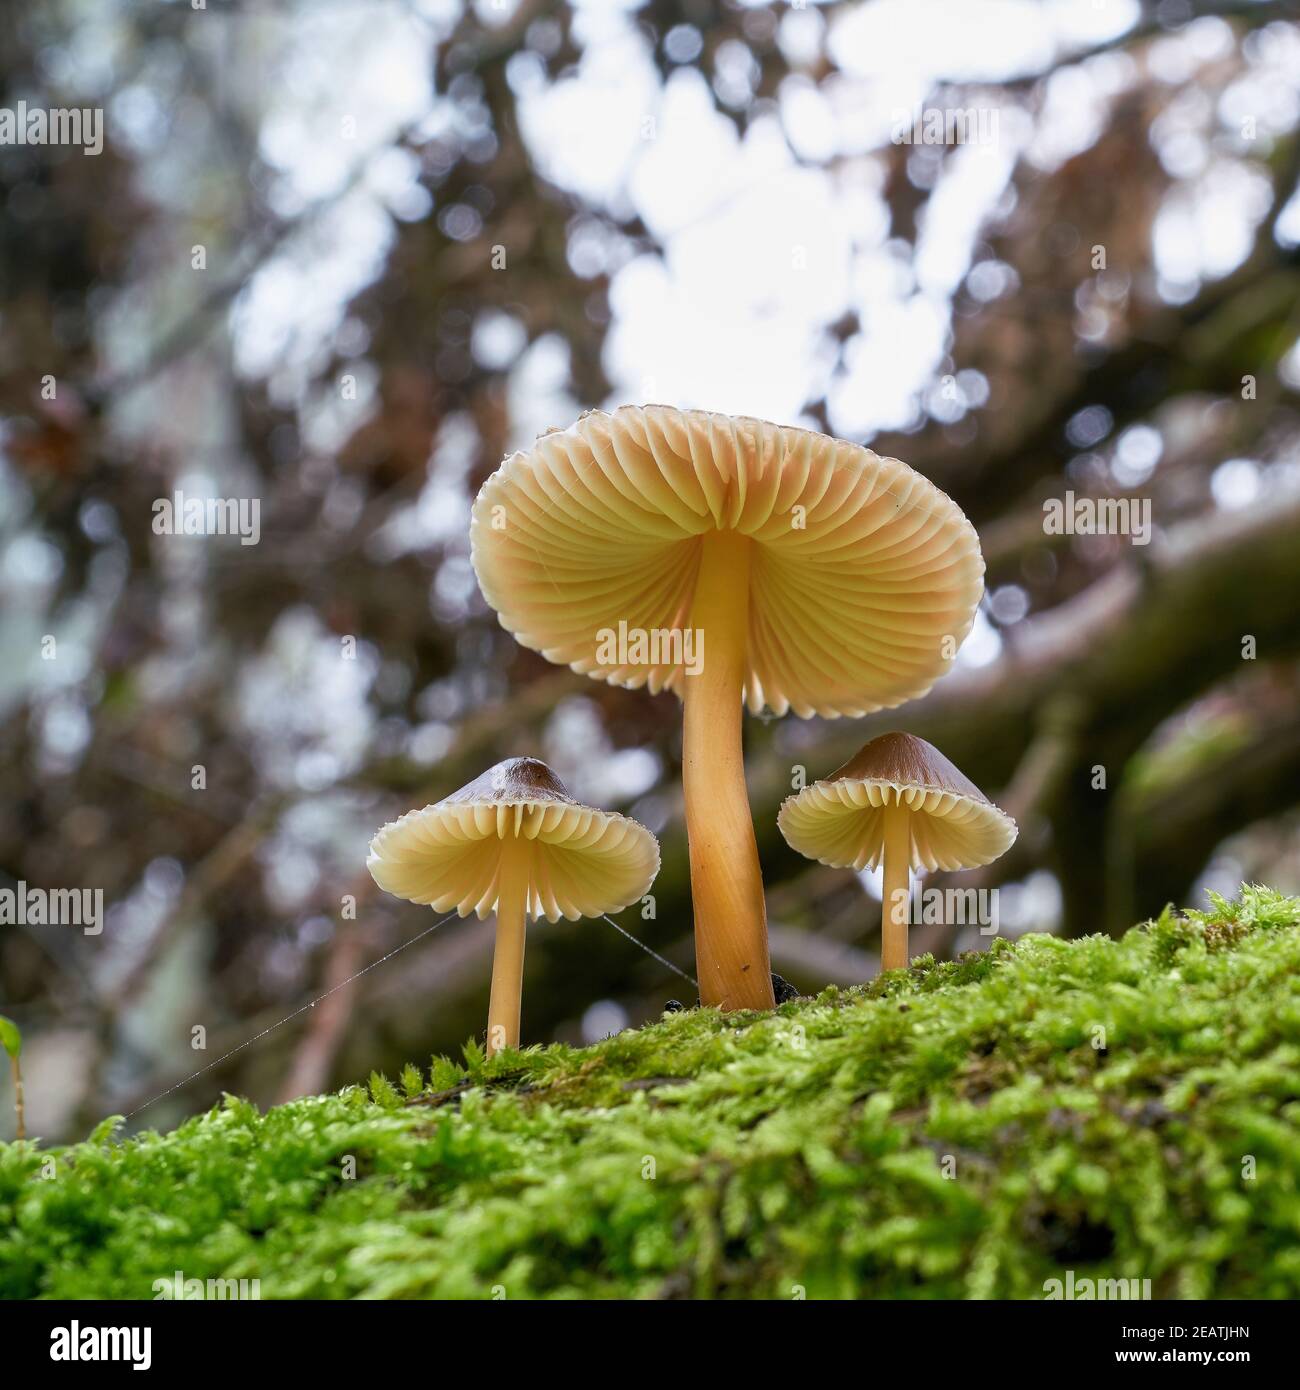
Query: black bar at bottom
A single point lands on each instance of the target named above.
(337, 1338)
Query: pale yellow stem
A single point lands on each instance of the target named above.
(508, 956)
(726, 883)
(897, 887)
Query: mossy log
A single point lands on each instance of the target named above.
(1122, 1109)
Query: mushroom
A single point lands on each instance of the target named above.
(900, 802)
(514, 842)
(722, 557)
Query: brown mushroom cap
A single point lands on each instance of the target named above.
(840, 820)
(861, 569)
(580, 861)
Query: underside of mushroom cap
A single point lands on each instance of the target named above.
(517, 817)
(840, 820)
(864, 577)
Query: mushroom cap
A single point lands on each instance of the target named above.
(580, 861)
(840, 819)
(861, 567)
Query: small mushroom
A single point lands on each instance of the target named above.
(514, 842)
(808, 575)
(901, 802)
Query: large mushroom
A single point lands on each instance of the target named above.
(514, 842)
(722, 557)
(897, 802)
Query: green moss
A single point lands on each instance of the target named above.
(969, 1129)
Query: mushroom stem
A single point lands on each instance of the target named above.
(897, 887)
(726, 883)
(508, 956)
